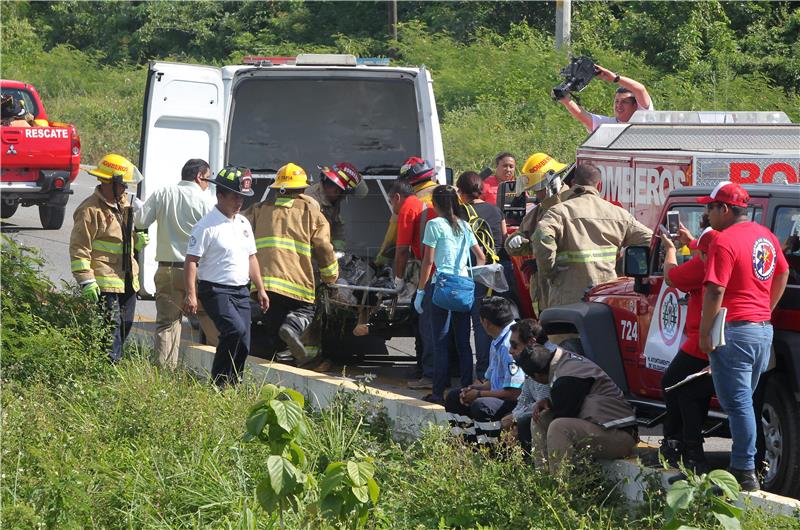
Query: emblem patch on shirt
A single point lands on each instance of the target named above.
(763, 258)
(192, 241)
(246, 232)
(513, 368)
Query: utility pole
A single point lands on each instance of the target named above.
(392, 9)
(563, 23)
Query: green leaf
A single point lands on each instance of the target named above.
(295, 454)
(361, 493)
(295, 396)
(680, 495)
(257, 421)
(269, 392)
(282, 475)
(728, 522)
(266, 496)
(354, 473)
(331, 506)
(721, 506)
(332, 480)
(367, 469)
(279, 410)
(726, 482)
(374, 490)
(294, 413)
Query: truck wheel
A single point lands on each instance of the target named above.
(52, 217)
(7, 209)
(781, 425)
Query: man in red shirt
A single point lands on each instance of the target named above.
(412, 216)
(505, 169)
(746, 273)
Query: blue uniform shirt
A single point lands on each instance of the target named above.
(503, 372)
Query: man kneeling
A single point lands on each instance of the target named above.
(586, 409)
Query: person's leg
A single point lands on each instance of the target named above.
(524, 433)
(169, 303)
(732, 368)
(539, 428)
(112, 313)
(127, 306)
(240, 302)
(482, 339)
(672, 428)
(429, 338)
(490, 408)
(694, 399)
(440, 325)
(216, 300)
(460, 327)
(295, 323)
(453, 405)
(566, 435)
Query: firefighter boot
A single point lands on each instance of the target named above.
(290, 332)
(671, 451)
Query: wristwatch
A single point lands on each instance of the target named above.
(616, 79)
(479, 393)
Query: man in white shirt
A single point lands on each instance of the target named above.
(630, 97)
(222, 255)
(176, 209)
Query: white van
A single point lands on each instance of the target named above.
(311, 110)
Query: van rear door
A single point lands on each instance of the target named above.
(184, 117)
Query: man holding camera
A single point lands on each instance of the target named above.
(631, 96)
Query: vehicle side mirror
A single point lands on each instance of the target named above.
(448, 175)
(636, 262)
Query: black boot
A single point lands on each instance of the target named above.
(694, 458)
(746, 478)
(289, 335)
(671, 451)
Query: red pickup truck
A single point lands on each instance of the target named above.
(37, 163)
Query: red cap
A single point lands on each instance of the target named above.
(728, 193)
(707, 237)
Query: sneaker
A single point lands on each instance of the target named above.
(436, 400)
(746, 478)
(420, 384)
(325, 366)
(292, 340)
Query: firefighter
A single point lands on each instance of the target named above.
(101, 247)
(289, 229)
(334, 182)
(544, 176)
(576, 243)
(13, 113)
(420, 175)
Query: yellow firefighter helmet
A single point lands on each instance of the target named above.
(537, 167)
(290, 177)
(111, 166)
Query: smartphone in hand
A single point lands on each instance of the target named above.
(673, 223)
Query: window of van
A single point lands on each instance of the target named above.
(787, 229)
(25, 96)
(371, 123)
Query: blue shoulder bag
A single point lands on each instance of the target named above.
(454, 292)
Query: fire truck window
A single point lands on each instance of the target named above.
(787, 229)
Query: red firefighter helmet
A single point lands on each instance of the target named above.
(343, 174)
(415, 170)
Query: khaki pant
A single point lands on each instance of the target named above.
(557, 440)
(170, 295)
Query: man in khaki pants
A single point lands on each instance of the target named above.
(586, 410)
(176, 209)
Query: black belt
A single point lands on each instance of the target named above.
(173, 264)
(738, 323)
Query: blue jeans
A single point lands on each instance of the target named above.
(426, 363)
(736, 368)
(119, 310)
(482, 339)
(442, 321)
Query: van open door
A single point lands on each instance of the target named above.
(184, 117)
(432, 148)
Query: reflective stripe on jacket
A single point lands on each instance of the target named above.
(290, 230)
(604, 405)
(577, 241)
(96, 247)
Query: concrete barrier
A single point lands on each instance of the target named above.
(410, 416)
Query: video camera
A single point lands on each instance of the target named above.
(577, 74)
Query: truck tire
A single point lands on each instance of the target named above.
(52, 217)
(781, 424)
(7, 209)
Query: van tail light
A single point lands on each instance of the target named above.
(59, 183)
(75, 151)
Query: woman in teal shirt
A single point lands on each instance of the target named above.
(443, 241)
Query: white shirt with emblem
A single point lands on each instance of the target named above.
(224, 247)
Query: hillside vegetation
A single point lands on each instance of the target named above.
(493, 63)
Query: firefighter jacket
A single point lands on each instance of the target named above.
(576, 244)
(289, 230)
(604, 403)
(97, 249)
(528, 225)
(424, 192)
(332, 214)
